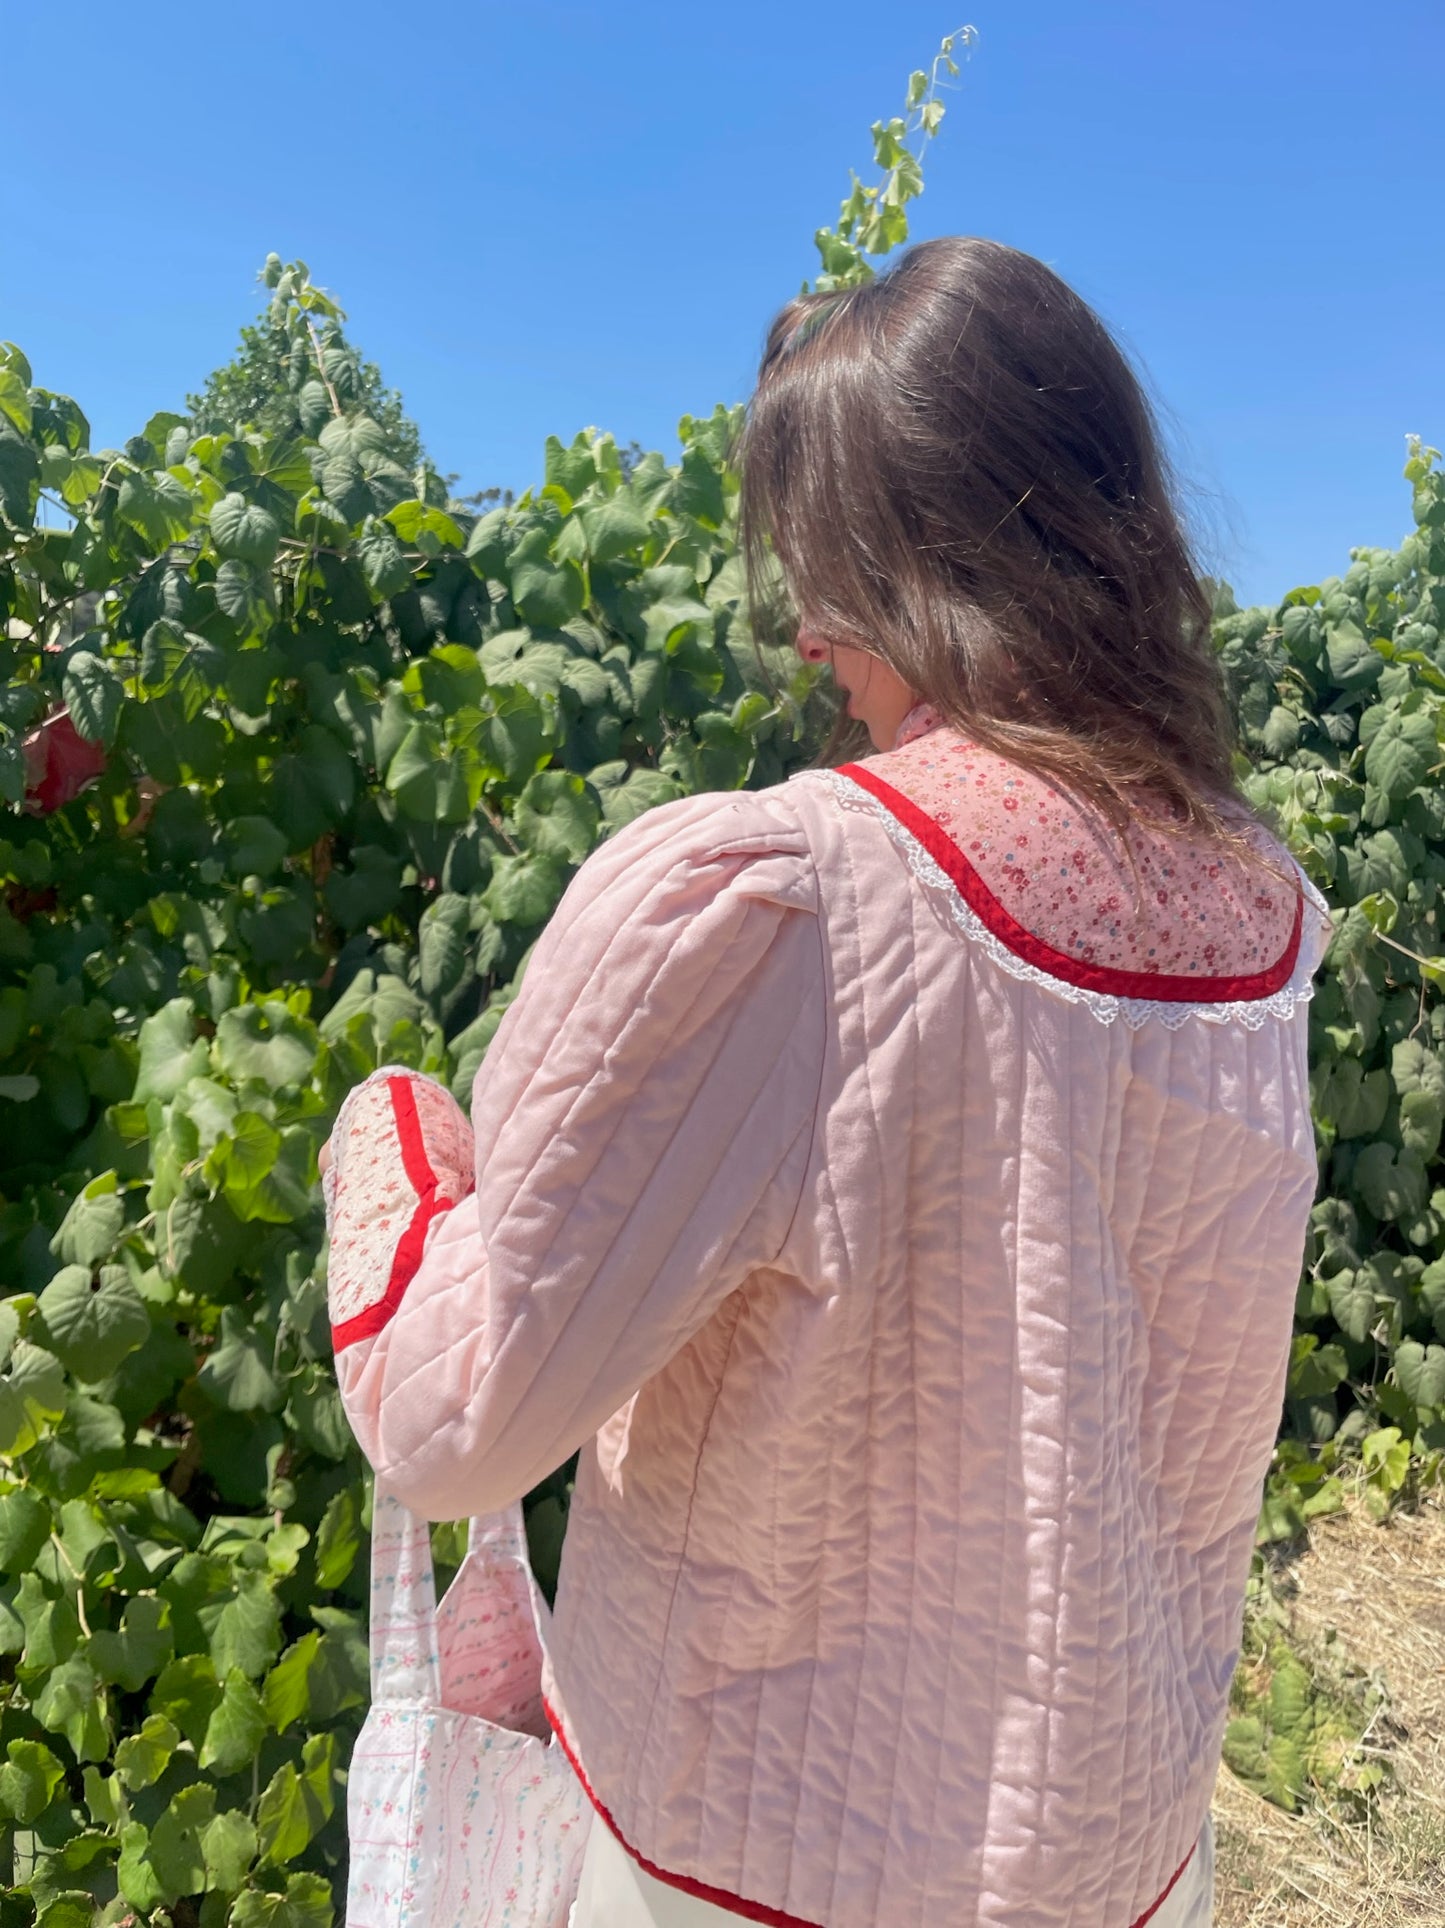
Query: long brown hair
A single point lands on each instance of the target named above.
(954, 468)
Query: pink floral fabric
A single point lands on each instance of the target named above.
(1058, 873)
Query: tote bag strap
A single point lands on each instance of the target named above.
(499, 1533)
(504, 1534)
(404, 1662)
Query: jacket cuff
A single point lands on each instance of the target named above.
(402, 1154)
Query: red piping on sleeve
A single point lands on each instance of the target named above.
(406, 1259)
(735, 1904)
(1157, 985)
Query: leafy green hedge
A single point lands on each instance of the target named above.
(1339, 694)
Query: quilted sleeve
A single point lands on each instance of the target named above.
(643, 1121)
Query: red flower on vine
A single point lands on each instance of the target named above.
(59, 763)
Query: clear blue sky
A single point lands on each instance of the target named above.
(541, 217)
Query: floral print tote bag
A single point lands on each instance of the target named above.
(462, 1811)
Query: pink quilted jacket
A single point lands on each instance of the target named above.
(900, 1200)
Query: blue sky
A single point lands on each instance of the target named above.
(546, 216)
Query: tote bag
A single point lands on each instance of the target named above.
(461, 1809)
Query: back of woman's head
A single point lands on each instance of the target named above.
(957, 470)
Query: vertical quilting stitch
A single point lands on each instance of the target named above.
(944, 1699)
(880, 1156)
(1113, 1394)
(908, 1130)
(1063, 1396)
(1015, 1474)
(646, 1307)
(844, 928)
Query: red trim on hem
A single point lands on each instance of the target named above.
(1109, 979)
(406, 1260)
(736, 1904)
(1154, 1906)
(719, 1897)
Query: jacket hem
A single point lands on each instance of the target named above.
(686, 1884)
(737, 1904)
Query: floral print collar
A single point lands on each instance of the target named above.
(922, 718)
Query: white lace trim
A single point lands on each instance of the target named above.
(1253, 1013)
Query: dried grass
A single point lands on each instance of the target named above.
(1372, 1596)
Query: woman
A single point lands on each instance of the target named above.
(895, 1181)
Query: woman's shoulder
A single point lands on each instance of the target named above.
(1049, 876)
(750, 841)
(713, 823)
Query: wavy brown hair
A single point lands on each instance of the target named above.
(954, 468)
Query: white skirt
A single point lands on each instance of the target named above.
(616, 1893)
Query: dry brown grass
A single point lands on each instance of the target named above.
(1381, 1589)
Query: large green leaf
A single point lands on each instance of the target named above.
(239, 1372)
(143, 1757)
(243, 595)
(1393, 1183)
(28, 1779)
(1401, 752)
(72, 1702)
(24, 1528)
(443, 944)
(91, 1325)
(1352, 1304)
(19, 478)
(184, 1698)
(1420, 1370)
(178, 659)
(157, 506)
(383, 563)
(548, 593)
(413, 521)
(557, 815)
(266, 1042)
(245, 1630)
(296, 1805)
(228, 1847)
(93, 695)
(175, 1842)
(305, 1904)
(612, 527)
(140, 1648)
(245, 530)
(90, 1229)
(1353, 663)
(338, 1539)
(15, 399)
(1354, 1100)
(236, 1729)
(524, 890)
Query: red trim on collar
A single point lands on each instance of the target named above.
(406, 1260)
(735, 1904)
(1159, 986)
